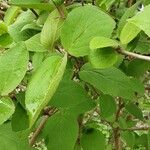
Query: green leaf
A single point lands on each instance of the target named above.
(69, 94)
(107, 106)
(37, 60)
(137, 67)
(13, 66)
(81, 25)
(130, 12)
(101, 42)
(129, 32)
(93, 140)
(33, 44)
(103, 58)
(3, 28)
(148, 137)
(37, 4)
(129, 138)
(141, 20)
(5, 40)
(110, 81)
(43, 85)
(51, 29)
(15, 29)
(13, 140)
(134, 110)
(61, 132)
(7, 108)
(11, 14)
(19, 119)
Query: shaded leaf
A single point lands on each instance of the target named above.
(93, 140)
(61, 131)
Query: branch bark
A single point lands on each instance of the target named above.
(116, 131)
(51, 112)
(134, 55)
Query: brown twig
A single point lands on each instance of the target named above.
(42, 124)
(131, 54)
(116, 130)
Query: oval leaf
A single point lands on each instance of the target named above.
(43, 85)
(13, 66)
(81, 25)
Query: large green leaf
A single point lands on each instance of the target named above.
(34, 44)
(7, 108)
(43, 85)
(37, 4)
(61, 132)
(107, 106)
(141, 20)
(13, 66)
(72, 97)
(51, 28)
(110, 81)
(81, 25)
(93, 140)
(12, 140)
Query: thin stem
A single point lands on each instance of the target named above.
(136, 129)
(134, 55)
(41, 126)
(116, 131)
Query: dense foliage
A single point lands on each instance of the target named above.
(75, 75)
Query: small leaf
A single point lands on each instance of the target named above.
(51, 28)
(19, 119)
(129, 32)
(7, 108)
(134, 110)
(101, 42)
(3, 28)
(107, 106)
(43, 85)
(10, 14)
(81, 25)
(93, 140)
(130, 12)
(5, 40)
(33, 44)
(103, 58)
(141, 20)
(13, 66)
(61, 132)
